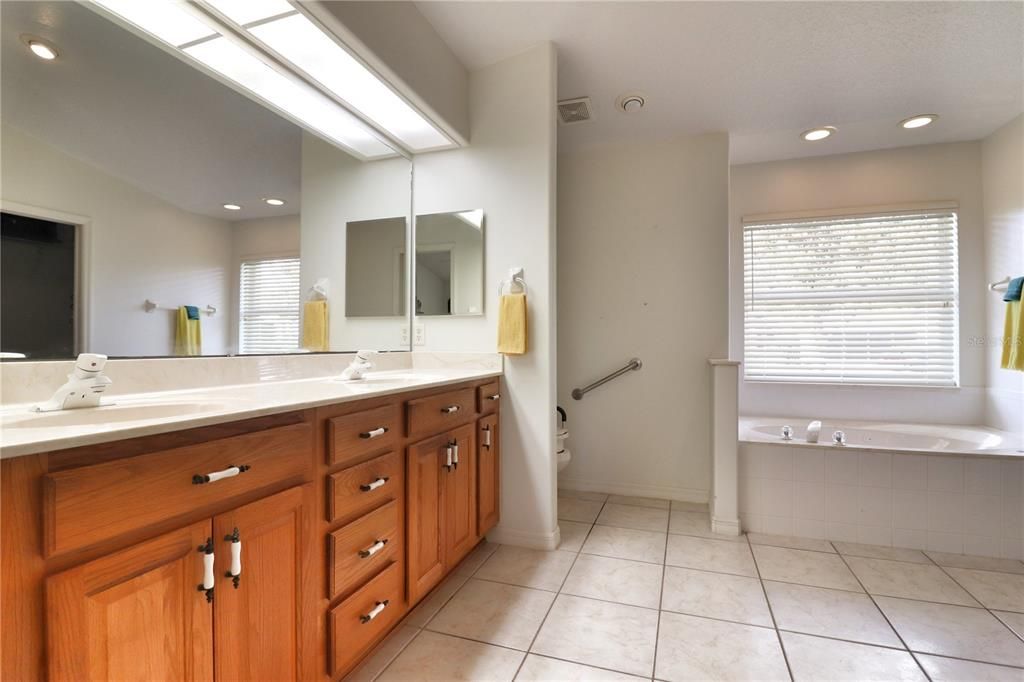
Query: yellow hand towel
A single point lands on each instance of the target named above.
(315, 329)
(1013, 337)
(512, 324)
(188, 335)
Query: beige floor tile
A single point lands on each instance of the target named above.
(651, 502)
(715, 595)
(581, 511)
(815, 658)
(583, 495)
(954, 670)
(537, 568)
(433, 602)
(505, 615)
(830, 613)
(910, 581)
(982, 563)
(953, 631)
(573, 534)
(691, 648)
(699, 507)
(697, 524)
(476, 558)
(383, 654)
(544, 669)
(706, 554)
(791, 542)
(619, 580)
(626, 543)
(806, 568)
(1003, 591)
(880, 552)
(1014, 621)
(612, 636)
(639, 518)
(463, 661)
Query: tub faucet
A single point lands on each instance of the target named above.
(813, 431)
(360, 365)
(83, 388)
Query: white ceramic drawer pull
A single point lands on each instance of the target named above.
(373, 485)
(451, 409)
(496, 396)
(236, 557)
(379, 431)
(207, 585)
(448, 457)
(374, 612)
(215, 476)
(372, 549)
(487, 436)
(455, 455)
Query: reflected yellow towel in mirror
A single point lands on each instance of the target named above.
(188, 334)
(1013, 337)
(512, 324)
(315, 328)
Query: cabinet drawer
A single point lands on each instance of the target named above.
(361, 548)
(86, 505)
(364, 486)
(487, 397)
(359, 621)
(351, 436)
(430, 416)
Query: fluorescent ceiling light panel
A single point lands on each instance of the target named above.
(301, 42)
(169, 20)
(289, 95)
(246, 11)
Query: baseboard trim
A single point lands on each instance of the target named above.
(725, 526)
(523, 538)
(662, 492)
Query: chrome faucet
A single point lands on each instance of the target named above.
(83, 388)
(360, 365)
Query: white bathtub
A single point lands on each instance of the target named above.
(885, 436)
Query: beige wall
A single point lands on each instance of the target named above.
(642, 271)
(926, 173)
(1002, 160)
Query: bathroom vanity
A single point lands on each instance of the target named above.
(278, 547)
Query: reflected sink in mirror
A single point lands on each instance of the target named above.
(113, 413)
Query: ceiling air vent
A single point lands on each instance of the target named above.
(576, 110)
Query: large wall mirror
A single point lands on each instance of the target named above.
(150, 209)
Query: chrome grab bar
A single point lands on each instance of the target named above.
(634, 364)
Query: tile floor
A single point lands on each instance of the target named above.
(641, 589)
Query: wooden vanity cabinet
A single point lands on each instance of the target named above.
(488, 468)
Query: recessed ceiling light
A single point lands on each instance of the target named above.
(275, 202)
(919, 121)
(233, 207)
(816, 134)
(43, 49)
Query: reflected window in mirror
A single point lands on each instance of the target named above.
(449, 273)
(269, 306)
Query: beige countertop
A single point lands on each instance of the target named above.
(23, 432)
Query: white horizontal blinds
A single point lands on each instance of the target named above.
(866, 299)
(269, 306)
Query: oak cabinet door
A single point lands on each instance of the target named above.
(460, 513)
(488, 477)
(134, 615)
(258, 610)
(426, 467)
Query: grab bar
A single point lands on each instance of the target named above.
(634, 364)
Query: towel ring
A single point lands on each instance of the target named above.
(511, 283)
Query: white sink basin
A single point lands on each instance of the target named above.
(116, 413)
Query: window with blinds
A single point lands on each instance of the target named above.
(269, 306)
(857, 299)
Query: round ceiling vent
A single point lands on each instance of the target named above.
(631, 104)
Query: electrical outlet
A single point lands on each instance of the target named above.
(405, 335)
(419, 335)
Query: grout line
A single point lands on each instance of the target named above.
(981, 603)
(661, 592)
(771, 611)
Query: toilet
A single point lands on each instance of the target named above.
(562, 454)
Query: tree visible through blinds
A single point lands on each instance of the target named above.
(269, 306)
(867, 299)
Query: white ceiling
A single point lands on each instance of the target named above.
(143, 116)
(764, 71)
